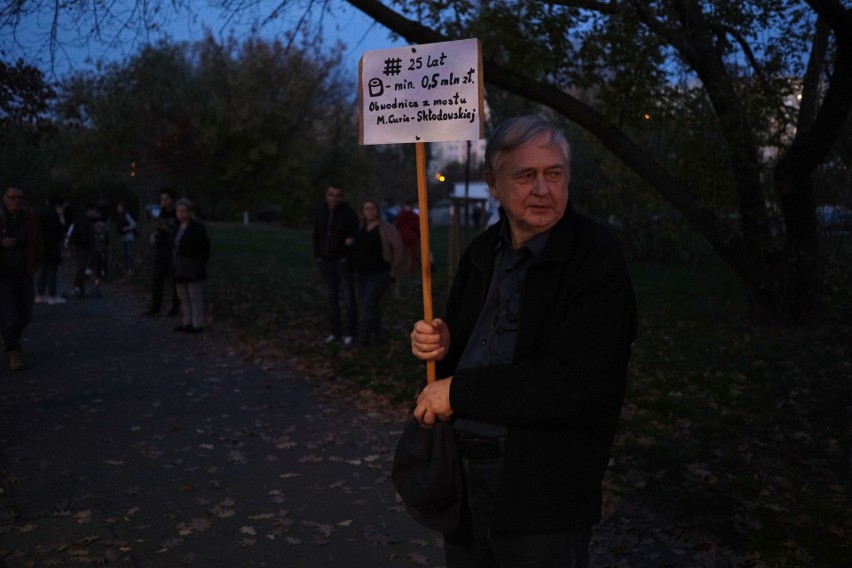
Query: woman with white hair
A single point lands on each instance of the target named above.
(190, 255)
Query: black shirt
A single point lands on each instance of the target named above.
(369, 258)
(493, 337)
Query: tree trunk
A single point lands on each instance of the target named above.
(816, 134)
(780, 286)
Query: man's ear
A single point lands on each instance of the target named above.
(491, 180)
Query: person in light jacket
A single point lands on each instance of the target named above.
(189, 262)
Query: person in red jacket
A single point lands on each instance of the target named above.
(408, 224)
(21, 251)
(532, 358)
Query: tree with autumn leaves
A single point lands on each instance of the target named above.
(772, 80)
(776, 76)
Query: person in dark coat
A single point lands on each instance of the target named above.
(335, 227)
(162, 240)
(81, 238)
(21, 249)
(53, 230)
(377, 261)
(532, 359)
(189, 261)
(408, 224)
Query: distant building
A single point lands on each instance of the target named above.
(477, 193)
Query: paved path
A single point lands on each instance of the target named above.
(126, 443)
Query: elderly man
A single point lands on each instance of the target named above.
(21, 251)
(532, 357)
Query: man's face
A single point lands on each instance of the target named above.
(166, 201)
(333, 197)
(531, 183)
(13, 199)
(182, 213)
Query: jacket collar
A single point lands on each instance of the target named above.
(558, 247)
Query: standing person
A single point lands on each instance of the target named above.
(21, 249)
(99, 255)
(105, 216)
(190, 255)
(53, 231)
(335, 226)
(378, 252)
(532, 358)
(81, 237)
(408, 224)
(163, 239)
(126, 226)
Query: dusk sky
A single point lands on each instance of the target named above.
(29, 41)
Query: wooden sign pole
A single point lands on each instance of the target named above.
(443, 101)
(425, 257)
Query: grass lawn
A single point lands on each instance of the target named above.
(737, 432)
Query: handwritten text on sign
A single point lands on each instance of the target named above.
(422, 93)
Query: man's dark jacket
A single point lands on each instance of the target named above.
(562, 395)
(194, 244)
(24, 259)
(53, 232)
(165, 235)
(330, 243)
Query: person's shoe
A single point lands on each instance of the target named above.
(330, 339)
(151, 312)
(16, 361)
(56, 300)
(173, 312)
(183, 328)
(347, 341)
(39, 299)
(195, 330)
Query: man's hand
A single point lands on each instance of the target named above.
(430, 341)
(9, 242)
(433, 403)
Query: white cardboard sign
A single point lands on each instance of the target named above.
(422, 93)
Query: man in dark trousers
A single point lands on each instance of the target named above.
(81, 237)
(163, 240)
(21, 249)
(53, 230)
(532, 362)
(335, 227)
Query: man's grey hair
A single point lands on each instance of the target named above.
(184, 202)
(516, 132)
